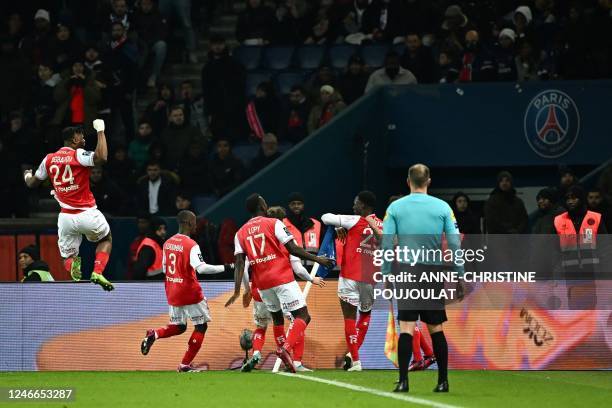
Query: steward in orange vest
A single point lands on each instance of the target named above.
(305, 230)
(577, 229)
(149, 254)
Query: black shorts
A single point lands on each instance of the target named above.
(426, 316)
(428, 311)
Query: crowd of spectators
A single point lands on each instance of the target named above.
(73, 61)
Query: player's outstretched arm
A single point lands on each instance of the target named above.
(101, 152)
(302, 254)
(238, 273)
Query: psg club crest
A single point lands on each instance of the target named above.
(551, 123)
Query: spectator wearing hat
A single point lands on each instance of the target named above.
(330, 105)
(391, 74)
(34, 269)
(522, 20)
(352, 83)
(567, 178)
(418, 59)
(77, 97)
(305, 230)
(454, 27)
(504, 212)
(548, 209)
(148, 265)
(268, 152)
(505, 55)
(37, 45)
(223, 85)
(225, 171)
(478, 65)
(294, 120)
(467, 221)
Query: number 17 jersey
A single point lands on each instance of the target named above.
(262, 240)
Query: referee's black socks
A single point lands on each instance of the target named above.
(440, 349)
(404, 354)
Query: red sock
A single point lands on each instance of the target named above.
(362, 327)
(427, 350)
(195, 342)
(296, 334)
(279, 334)
(100, 262)
(68, 264)
(350, 334)
(168, 331)
(259, 338)
(416, 345)
(298, 350)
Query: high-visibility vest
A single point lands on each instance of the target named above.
(45, 276)
(156, 266)
(578, 249)
(309, 240)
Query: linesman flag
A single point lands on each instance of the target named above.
(328, 250)
(391, 338)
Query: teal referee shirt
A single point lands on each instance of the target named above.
(418, 221)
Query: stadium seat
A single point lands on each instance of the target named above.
(374, 55)
(310, 56)
(278, 58)
(246, 152)
(285, 80)
(201, 203)
(254, 79)
(339, 55)
(249, 56)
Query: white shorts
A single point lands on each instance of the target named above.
(72, 227)
(198, 313)
(261, 315)
(286, 297)
(358, 294)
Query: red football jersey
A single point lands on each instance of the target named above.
(69, 172)
(181, 255)
(262, 240)
(359, 251)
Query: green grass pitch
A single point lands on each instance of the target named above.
(365, 389)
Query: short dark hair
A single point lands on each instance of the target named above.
(253, 203)
(391, 54)
(300, 88)
(154, 163)
(368, 198)
(69, 132)
(594, 190)
(418, 174)
(186, 195)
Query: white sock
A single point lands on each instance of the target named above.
(297, 363)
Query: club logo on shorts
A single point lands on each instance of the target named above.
(551, 123)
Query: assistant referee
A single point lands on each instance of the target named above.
(415, 221)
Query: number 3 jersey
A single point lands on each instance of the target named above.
(69, 171)
(180, 259)
(262, 240)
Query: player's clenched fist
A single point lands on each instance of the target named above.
(98, 124)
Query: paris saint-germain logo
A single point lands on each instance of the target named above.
(552, 123)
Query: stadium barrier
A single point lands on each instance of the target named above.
(52, 326)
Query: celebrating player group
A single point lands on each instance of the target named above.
(266, 255)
